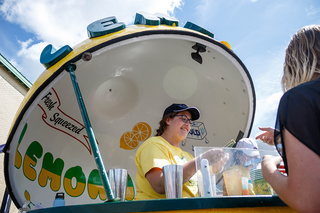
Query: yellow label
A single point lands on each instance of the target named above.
(262, 187)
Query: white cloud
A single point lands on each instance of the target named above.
(266, 76)
(65, 22)
(205, 10)
(14, 63)
(312, 11)
(29, 50)
(29, 58)
(267, 106)
(265, 116)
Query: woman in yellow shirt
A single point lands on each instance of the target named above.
(163, 149)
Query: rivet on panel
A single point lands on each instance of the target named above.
(86, 56)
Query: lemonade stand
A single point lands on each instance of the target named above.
(98, 101)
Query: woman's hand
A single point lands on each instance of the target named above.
(218, 166)
(217, 158)
(267, 136)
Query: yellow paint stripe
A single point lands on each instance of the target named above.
(130, 193)
(45, 176)
(29, 170)
(73, 192)
(93, 191)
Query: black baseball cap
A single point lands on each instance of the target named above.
(195, 113)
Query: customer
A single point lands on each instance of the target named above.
(248, 149)
(163, 149)
(297, 131)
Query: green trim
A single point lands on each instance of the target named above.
(193, 26)
(15, 72)
(183, 204)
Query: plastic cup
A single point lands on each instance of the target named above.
(118, 183)
(173, 175)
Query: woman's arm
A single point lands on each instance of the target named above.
(301, 189)
(155, 178)
(215, 156)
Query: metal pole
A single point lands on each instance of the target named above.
(6, 202)
(102, 171)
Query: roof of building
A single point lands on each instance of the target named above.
(14, 72)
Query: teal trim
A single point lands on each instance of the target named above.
(155, 19)
(171, 205)
(104, 26)
(192, 26)
(167, 20)
(50, 55)
(10, 68)
(146, 19)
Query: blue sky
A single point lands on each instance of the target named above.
(257, 30)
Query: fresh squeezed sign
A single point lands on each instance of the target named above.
(54, 117)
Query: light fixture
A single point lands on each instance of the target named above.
(199, 48)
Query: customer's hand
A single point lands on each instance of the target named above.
(269, 165)
(267, 135)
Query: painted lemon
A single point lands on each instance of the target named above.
(142, 131)
(128, 141)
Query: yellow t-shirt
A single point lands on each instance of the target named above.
(157, 152)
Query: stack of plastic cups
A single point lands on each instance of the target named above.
(173, 183)
(118, 182)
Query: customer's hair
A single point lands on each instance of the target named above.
(163, 123)
(302, 60)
